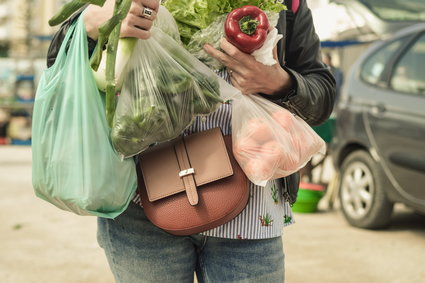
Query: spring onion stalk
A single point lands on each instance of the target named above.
(164, 21)
(109, 34)
(121, 10)
(71, 7)
(124, 50)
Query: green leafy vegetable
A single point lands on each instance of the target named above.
(124, 51)
(212, 35)
(194, 15)
(163, 116)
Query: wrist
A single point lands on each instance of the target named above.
(283, 85)
(95, 16)
(91, 28)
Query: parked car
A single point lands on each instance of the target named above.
(378, 147)
(373, 19)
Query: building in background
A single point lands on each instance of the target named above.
(5, 20)
(41, 32)
(24, 29)
(345, 27)
(24, 39)
(14, 28)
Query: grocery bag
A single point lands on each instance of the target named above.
(165, 88)
(269, 141)
(74, 165)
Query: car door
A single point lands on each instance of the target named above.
(396, 121)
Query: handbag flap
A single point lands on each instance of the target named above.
(207, 155)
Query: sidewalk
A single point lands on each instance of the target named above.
(40, 243)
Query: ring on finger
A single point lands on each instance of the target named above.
(147, 12)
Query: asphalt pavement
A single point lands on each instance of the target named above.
(40, 243)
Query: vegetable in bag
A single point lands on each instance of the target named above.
(247, 28)
(164, 21)
(197, 15)
(215, 32)
(165, 88)
(269, 142)
(74, 165)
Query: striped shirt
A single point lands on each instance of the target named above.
(266, 212)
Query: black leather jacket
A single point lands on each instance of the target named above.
(313, 96)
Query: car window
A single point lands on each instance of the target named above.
(397, 10)
(409, 75)
(375, 64)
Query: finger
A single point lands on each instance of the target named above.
(136, 32)
(236, 84)
(234, 52)
(148, 13)
(142, 11)
(275, 54)
(134, 26)
(152, 4)
(226, 60)
(139, 22)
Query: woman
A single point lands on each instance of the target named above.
(248, 248)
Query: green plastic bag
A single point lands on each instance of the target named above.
(74, 164)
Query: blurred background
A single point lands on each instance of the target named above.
(346, 28)
(373, 171)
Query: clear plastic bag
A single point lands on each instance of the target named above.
(212, 35)
(166, 22)
(270, 142)
(164, 89)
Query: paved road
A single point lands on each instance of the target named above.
(42, 244)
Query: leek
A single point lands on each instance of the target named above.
(70, 8)
(124, 50)
(109, 36)
(164, 21)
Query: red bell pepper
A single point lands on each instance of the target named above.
(247, 28)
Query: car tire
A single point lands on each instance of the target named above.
(361, 192)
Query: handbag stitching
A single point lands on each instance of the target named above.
(221, 176)
(216, 221)
(171, 193)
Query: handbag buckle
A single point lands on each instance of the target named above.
(186, 172)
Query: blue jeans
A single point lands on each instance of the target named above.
(137, 251)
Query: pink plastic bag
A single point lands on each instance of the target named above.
(270, 142)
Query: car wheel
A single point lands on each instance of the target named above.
(361, 192)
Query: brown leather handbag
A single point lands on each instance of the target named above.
(192, 184)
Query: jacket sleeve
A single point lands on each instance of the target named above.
(312, 97)
(59, 36)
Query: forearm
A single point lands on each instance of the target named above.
(95, 16)
(313, 98)
(313, 86)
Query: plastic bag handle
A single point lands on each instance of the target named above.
(62, 49)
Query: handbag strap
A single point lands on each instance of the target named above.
(186, 173)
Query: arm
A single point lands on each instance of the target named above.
(314, 94)
(134, 25)
(302, 83)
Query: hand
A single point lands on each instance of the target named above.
(135, 23)
(249, 75)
